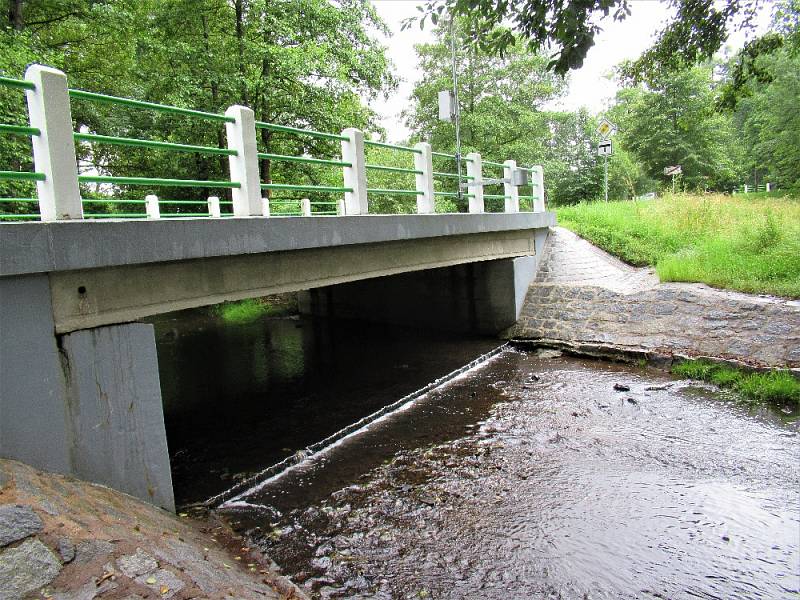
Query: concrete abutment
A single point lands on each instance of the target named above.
(87, 403)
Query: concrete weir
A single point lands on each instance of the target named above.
(79, 384)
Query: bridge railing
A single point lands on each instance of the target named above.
(59, 184)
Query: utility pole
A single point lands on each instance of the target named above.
(456, 109)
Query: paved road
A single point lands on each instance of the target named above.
(584, 295)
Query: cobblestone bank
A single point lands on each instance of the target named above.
(584, 296)
(63, 539)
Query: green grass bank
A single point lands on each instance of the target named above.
(747, 242)
(778, 387)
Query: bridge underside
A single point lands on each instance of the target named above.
(79, 386)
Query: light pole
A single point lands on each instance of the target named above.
(456, 109)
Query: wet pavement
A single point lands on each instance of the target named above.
(533, 477)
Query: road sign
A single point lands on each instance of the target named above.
(675, 170)
(446, 105)
(606, 129)
(605, 148)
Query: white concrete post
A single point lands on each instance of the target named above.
(305, 207)
(423, 161)
(213, 207)
(54, 147)
(151, 203)
(475, 170)
(511, 192)
(355, 176)
(340, 207)
(244, 166)
(265, 207)
(768, 186)
(538, 181)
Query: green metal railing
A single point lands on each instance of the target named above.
(21, 176)
(389, 186)
(124, 141)
(162, 108)
(309, 132)
(392, 146)
(305, 160)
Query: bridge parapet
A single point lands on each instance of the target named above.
(64, 194)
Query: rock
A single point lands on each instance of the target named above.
(658, 388)
(161, 580)
(621, 387)
(26, 568)
(17, 522)
(631, 400)
(91, 550)
(66, 549)
(137, 564)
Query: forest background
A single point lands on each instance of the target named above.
(317, 64)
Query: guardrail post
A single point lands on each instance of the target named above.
(475, 170)
(511, 192)
(538, 183)
(305, 207)
(768, 186)
(244, 166)
(213, 207)
(340, 207)
(423, 161)
(265, 207)
(355, 176)
(745, 188)
(54, 148)
(151, 204)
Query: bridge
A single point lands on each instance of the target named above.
(79, 385)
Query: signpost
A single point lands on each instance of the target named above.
(674, 171)
(605, 129)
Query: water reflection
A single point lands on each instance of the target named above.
(238, 398)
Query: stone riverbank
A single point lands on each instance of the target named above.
(63, 539)
(587, 299)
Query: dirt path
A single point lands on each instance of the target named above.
(584, 296)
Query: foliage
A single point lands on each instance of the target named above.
(674, 122)
(304, 63)
(773, 386)
(247, 311)
(745, 243)
(569, 27)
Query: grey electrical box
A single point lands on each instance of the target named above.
(520, 177)
(446, 105)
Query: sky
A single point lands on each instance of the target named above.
(589, 86)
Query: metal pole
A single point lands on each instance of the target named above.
(605, 176)
(457, 110)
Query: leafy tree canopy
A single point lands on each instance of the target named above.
(568, 28)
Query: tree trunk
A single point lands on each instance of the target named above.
(239, 7)
(15, 14)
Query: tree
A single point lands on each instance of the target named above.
(570, 26)
(674, 122)
(302, 63)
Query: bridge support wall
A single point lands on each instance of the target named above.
(87, 403)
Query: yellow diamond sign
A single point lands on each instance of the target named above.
(606, 129)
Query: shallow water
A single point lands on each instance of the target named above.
(533, 477)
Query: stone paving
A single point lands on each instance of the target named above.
(584, 296)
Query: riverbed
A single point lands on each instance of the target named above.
(531, 476)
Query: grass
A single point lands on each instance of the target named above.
(775, 386)
(747, 242)
(247, 311)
